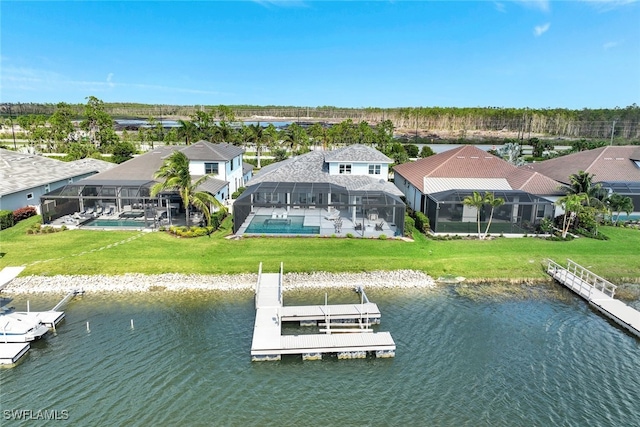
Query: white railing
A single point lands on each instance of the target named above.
(583, 276)
(258, 283)
(280, 283)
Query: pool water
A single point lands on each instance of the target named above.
(116, 223)
(263, 224)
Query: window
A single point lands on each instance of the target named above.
(345, 169)
(211, 168)
(232, 160)
(374, 169)
(29, 196)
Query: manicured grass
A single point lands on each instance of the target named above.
(69, 252)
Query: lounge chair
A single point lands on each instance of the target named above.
(379, 226)
(358, 226)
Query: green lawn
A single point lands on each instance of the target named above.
(69, 252)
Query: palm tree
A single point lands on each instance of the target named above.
(491, 200)
(475, 201)
(582, 183)
(175, 172)
(572, 204)
(619, 203)
(187, 130)
(255, 134)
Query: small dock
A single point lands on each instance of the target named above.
(10, 353)
(598, 292)
(347, 343)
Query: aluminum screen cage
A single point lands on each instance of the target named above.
(318, 195)
(520, 213)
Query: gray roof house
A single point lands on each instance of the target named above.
(323, 192)
(437, 186)
(26, 177)
(128, 185)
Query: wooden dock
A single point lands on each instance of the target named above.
(269, 343)
(598, 292)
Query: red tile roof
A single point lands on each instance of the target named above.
(611, 163)
(469, 161)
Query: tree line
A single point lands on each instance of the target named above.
(623, 123)
(92, 133)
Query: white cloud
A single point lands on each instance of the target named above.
(610, 45)
(606, 5)
(26, 79)
(539, 30)
(500, 7)
(542, 5)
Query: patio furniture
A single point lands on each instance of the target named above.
(337, 224)
(279, 213)
(379, 226)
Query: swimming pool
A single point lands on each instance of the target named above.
(264, 224)
(116, 223)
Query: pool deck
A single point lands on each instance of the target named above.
(323, 219)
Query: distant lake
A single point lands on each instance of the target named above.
(175, 123)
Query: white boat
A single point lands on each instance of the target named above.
(21, 327)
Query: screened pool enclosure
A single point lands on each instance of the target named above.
(355, 209)
(520, 213)
(126, 199)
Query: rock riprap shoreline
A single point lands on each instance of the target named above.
(185, 282)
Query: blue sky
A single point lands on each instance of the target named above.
(537, 54)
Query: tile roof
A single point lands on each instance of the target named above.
(211, 185)
(312, 168)
(357, 153)
(140, 168)
(144, 167)
(610, 163)
(19, 171)
(204, 150)
(470, 162)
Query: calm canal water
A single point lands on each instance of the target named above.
(528, 360)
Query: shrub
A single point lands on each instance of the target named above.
(382, 237)
(23, 213)
(6, 219)
(237, 193)
(422, 222)
(349, 236)
(409, 225)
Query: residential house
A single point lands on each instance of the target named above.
(26, 177)
(437, 186)
(329, 192)
(616, 168)
(128, 185)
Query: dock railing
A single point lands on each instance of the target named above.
(280, 283)
(258, 283)
(585, 276)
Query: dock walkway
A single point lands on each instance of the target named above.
(269, 344)
(598, 292)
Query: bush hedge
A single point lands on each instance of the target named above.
(6, 219)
